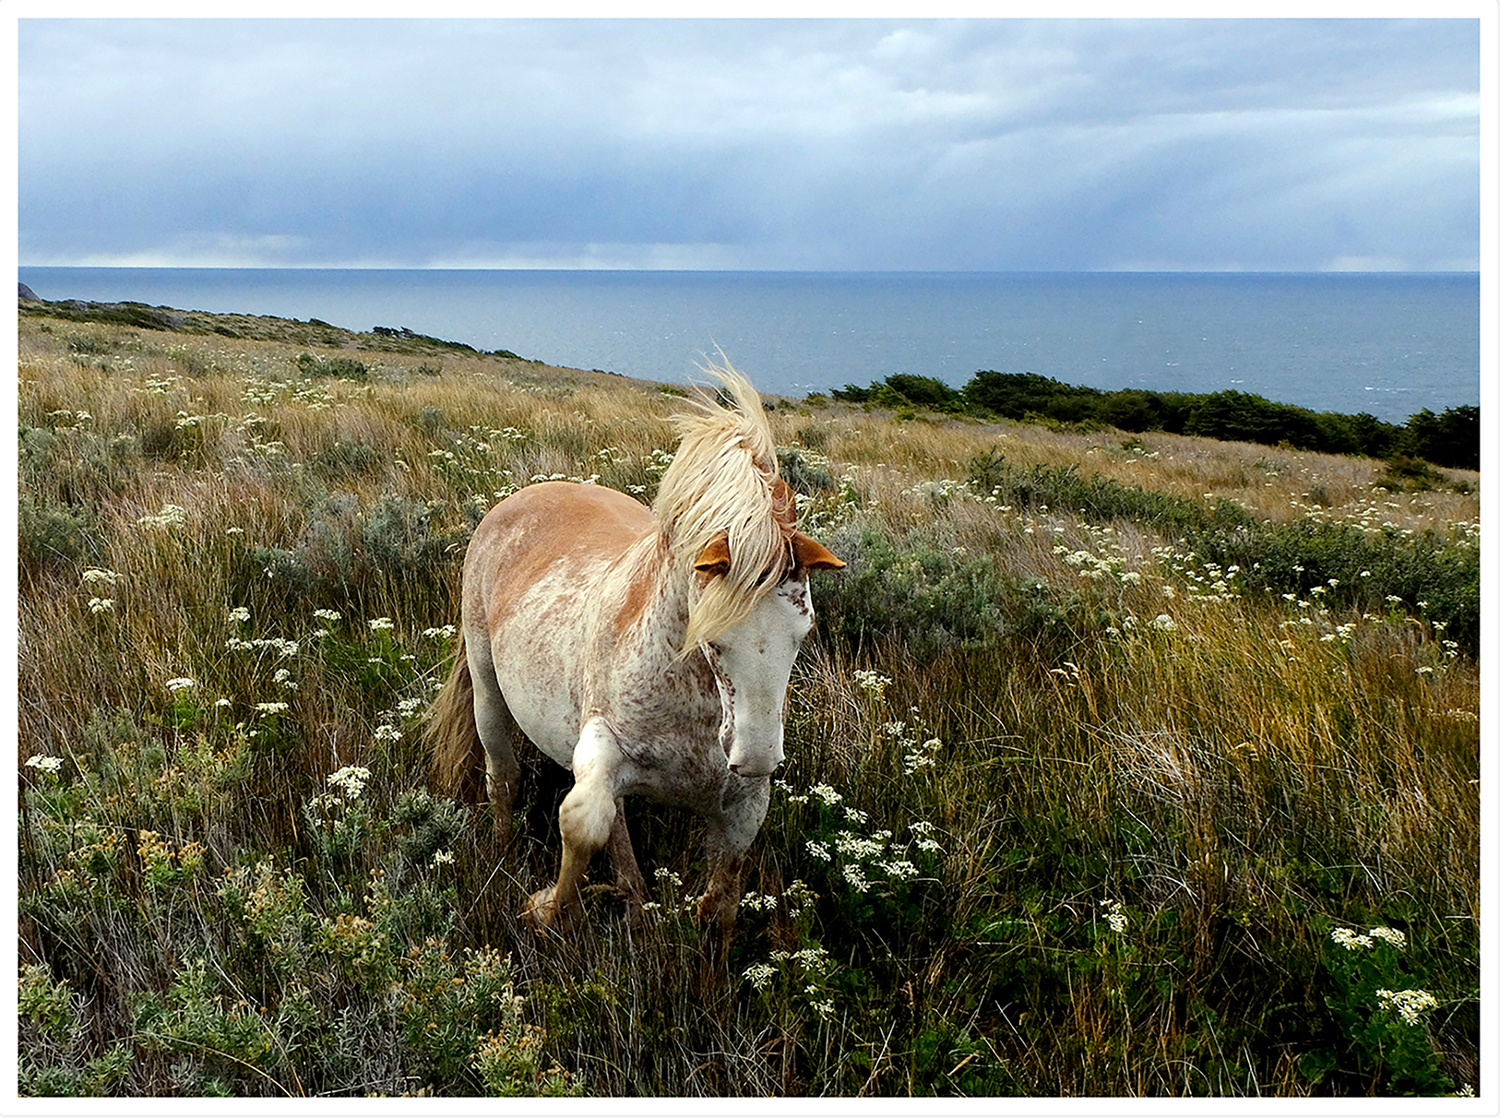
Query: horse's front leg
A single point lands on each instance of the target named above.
(587, 819)
(729, 837)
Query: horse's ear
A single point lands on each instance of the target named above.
(783, 505)
(812, 555)
(715, 557)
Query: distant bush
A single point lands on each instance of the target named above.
(930, 598)
(120, 314)
(1450, 439)
(801, 472)
(935, 600)
(1098, 499)
(345, 368)
(1403, 474)
(1014, 395)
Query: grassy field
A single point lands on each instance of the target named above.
(1120, 765)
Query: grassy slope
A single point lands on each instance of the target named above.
(1101, 739)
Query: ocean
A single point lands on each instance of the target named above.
(1387, 344)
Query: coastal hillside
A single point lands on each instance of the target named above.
(1119, 763)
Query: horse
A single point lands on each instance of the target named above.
(646, 649)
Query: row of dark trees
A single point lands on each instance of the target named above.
(1450, 439)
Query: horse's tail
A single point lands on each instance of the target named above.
(457, 755)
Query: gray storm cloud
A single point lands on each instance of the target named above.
(839, 144)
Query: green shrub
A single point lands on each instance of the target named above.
(804, 472)
(345, 368)
(51, 534)
(346, 459)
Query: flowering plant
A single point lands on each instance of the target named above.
(1383, 1012)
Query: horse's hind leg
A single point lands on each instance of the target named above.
(629, 883)
(497, 733)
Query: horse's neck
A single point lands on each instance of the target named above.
(653, 596)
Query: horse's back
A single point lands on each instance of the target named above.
(528, 533)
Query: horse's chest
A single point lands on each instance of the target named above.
(671, 739)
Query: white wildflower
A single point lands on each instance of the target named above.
(1350, 940)
(381, 625)
(239, 613)
(171, 516)
(1409, 1004)
(798, 897)
(351, 780)
(760, 975)
(44, 763)
(850, 845)
(181, 683)
(854, 874)
(101, 605)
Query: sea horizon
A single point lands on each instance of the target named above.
(1387, 343)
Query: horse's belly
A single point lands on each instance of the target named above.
(536, 652)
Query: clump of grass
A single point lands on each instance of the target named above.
(1100, 741)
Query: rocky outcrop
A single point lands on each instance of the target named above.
(27, 293)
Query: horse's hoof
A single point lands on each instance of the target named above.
(541, 912)
(717, 911)
(635, 906)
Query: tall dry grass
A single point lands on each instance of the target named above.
(1071, 806)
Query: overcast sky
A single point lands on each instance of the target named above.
(1293, 145)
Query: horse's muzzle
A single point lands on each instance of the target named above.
(743, 771)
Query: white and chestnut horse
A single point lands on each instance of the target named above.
(648, 650)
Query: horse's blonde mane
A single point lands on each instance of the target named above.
(721, 481)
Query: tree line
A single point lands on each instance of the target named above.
(1448, 439)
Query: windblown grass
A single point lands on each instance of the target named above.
(1102, 740)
